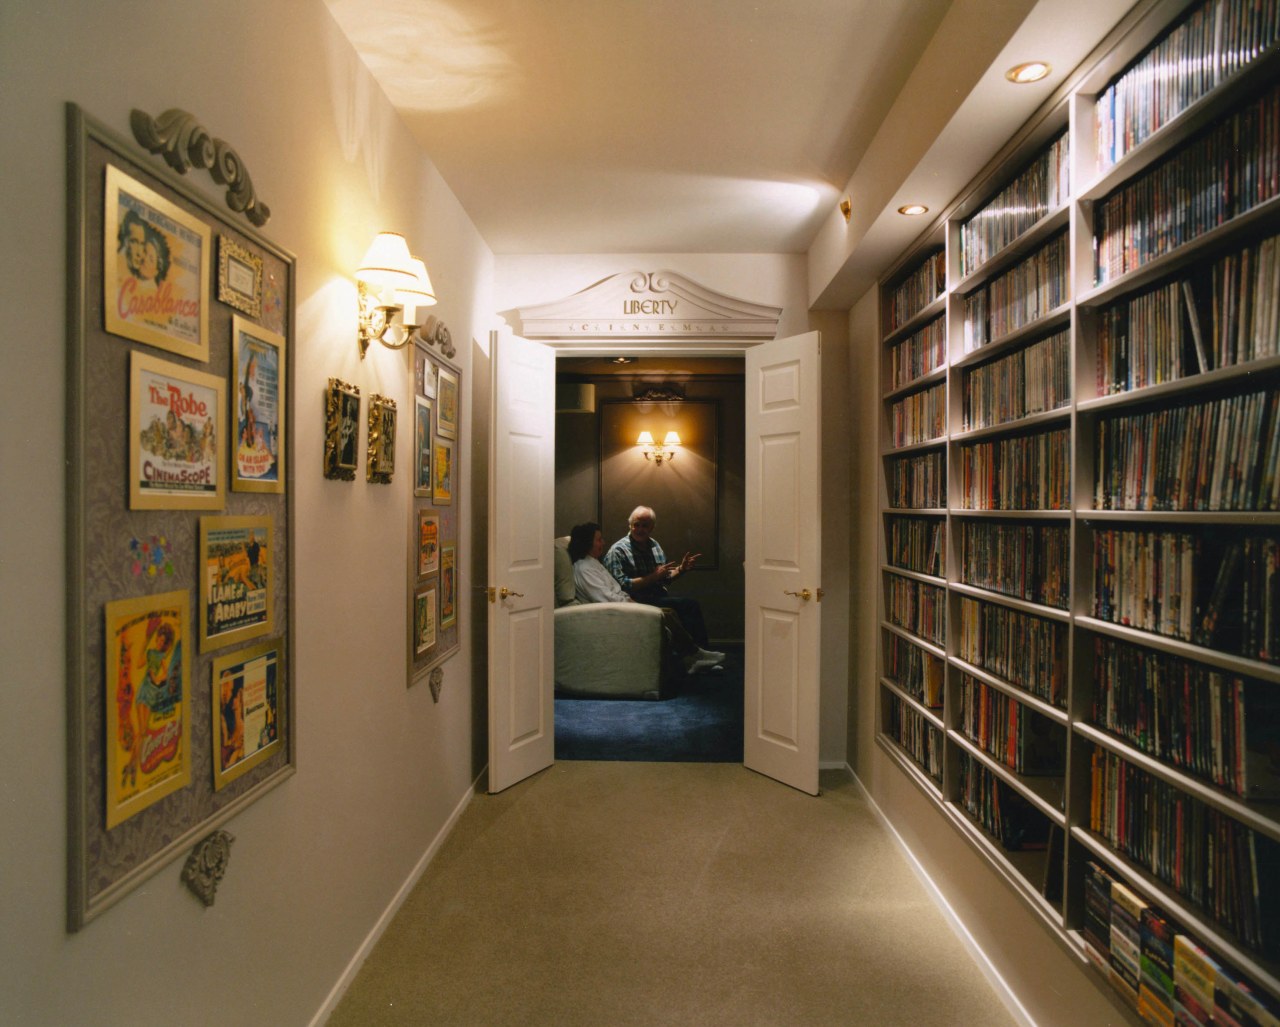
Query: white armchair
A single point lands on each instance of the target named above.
(604, 650)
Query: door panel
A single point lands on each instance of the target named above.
(783, 560)
(521, 604)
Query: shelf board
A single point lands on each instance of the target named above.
(1014, 602)
(1263, 971)
(916, 640)
(936, 375)
(913, 769)
(1012, 515)
(1213, 657)
(1016, 692)
(1047, 794)
(922, 511)
(916, 447)
(902, 572)
(1176, 130)
(1162, 265)
(1191, 383)
(933, 716)
(1242, 518)
(919, 319)
(1062, 413)
(1009, 255)
(1059, 317)
(1263, 817)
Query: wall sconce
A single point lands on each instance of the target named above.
(667, 451)
(391, 282)
(846, 208)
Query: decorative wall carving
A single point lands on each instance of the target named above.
(207, 864)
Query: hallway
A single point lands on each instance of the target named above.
(669, 893)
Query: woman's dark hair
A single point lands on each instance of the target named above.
(581, 538)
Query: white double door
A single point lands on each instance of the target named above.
(783, 559)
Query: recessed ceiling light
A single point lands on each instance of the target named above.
(913, 210)
(623, 360)
(1030, 71)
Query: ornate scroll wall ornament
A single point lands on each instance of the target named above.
(436, 683)
(658, 394)
(649, 305)
(185, 143)
(435, 333)
(206, 865)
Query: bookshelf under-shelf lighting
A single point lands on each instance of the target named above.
(1080, 439)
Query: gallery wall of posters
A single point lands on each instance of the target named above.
(180, 568)
(433, 544)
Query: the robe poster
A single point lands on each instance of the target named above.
(235, 596)
(175, 419)
(246, 715)
(156, 269)
(259, 356)
(148, 714)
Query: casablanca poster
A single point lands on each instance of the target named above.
(148, 716)
(156, 269)
(246, 710)
(175, 438)
(235, 576)
(257, 456)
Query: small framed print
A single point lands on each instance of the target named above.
(424, 374)
(424, 620)
(428, 543)
(447, 404)
(234, 572)
(421, 446)
(448, 587)
(155, 269)
(239, 277)
(442, 473)
(257, 458)
(176, 437)
(148, 714)
(341, 430)
(381, 457)
(247, 709)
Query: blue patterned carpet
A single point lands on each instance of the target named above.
(701, 723)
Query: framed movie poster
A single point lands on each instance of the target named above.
(257, 461)
(176, 437)
(152, 431)
(246, 712)
(447, 404)
(448, 587)
(424, 619)
(148, 725)
(155, 271)
(239, 277)
(341, 430)
(442, 487)
(428, 543)
(421, 446)
(235, 580)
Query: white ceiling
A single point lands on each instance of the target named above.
(710, 126)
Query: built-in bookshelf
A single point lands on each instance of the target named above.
(1080, 552)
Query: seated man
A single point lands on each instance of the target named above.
(641, 569)
(594, 584)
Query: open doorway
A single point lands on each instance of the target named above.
(604, 402)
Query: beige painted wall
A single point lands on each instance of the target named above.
(380, 768)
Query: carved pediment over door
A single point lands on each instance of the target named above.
(649, 305)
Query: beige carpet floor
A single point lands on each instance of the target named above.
(669, 893)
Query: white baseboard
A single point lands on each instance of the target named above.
(989, 970)
(362, 953)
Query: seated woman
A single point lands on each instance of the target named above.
(594, 584)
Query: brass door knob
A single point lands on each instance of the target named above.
(804, 594)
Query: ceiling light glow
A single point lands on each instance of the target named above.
(912, 210)
(1027, 72)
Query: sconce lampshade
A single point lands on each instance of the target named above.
(672, 439)
(420, 293)
(387, 263)
(645, 439)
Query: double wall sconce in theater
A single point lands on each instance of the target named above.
(393, 284)
(656, 453)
